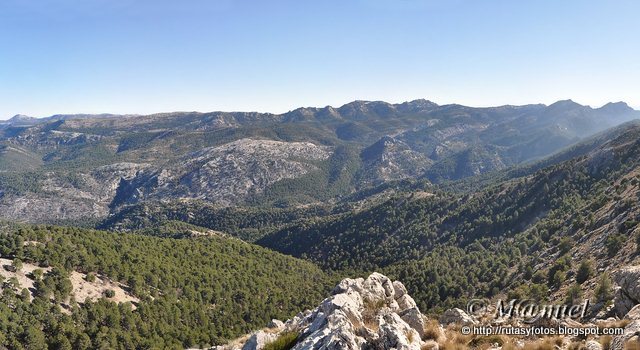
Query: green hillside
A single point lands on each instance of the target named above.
(193, 292)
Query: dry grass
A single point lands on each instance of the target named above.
(432, 331)
(605, 341)
(456, 341)
(23, 275)
(485, 342)
(510, 346)
(370, 312)
(614, 324)
(544, 344)
(409, 336)
(622, 323)
(430, 345)
(632, 345)
(90, 291)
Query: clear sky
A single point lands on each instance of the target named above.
(145, 56)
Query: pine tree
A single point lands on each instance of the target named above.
(585, 271)
(604, 290)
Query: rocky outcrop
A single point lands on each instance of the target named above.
(456, 316)
(374, 313)
(592, 345)
(241, 167)
(259, 339)
(628, 293)
(631, 334)
(391, 159)
(626, 304)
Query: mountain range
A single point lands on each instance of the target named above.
(198, 228)
(72, 167)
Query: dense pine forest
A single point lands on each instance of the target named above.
(193, 292)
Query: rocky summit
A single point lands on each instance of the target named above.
(371, 313)
(377, 313)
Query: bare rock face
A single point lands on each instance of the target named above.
(633, 314)
(456, 316)
(391, 159)
(224, 174)
(592, 345)
(360, 313)
(628, 293)
(631, 334)
(629, 282)
(238, 168)
(258, 340)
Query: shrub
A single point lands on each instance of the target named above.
(604, 290)
(585, 271)
(557, 279)
(91, 277)
(109, 293)
(37, 274)
(285, 341)
(605, 341)
(614, 243)
(17, 263)
(574, 294)
(487, 340)
(432, 331)
(565, 245)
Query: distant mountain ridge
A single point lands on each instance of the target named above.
(347, 111)
(73, 166)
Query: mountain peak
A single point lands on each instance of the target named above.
(565, 104)
(418, 105)
(21, 118)
(616, 107)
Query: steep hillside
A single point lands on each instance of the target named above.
(534, 229)
(78, 167)
(247, 223)
(191, 292)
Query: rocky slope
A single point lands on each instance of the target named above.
(378, 313)
(527, 234)
(225, 174)
(371, 313)
(390, 159)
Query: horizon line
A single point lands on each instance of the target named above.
(4, 119)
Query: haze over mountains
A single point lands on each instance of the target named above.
(90, 166)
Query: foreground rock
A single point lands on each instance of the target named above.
(626, 303)
(374, 313)
(456, 316)
(631, 335)
(628, 293)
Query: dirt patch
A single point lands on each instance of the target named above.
(83, 290)
(21, 275)
(91, 291)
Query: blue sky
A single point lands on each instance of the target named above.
(143, 56)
